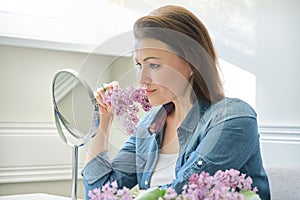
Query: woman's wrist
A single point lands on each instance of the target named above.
(106, 123)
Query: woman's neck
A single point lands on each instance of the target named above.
(182, 108)
(170, 143)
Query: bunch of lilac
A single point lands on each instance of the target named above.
(223, 185)
(124, 102)
(110, 192)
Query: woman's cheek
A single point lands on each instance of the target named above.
(171, 79)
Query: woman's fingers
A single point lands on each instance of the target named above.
(109, 86)
(114, 84)
(100, 94)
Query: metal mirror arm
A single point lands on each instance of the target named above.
(74, 156)
(74, 172)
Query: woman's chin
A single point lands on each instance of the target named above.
(153, 102)
(158, 103)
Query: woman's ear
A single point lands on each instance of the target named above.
(192, 73)
(191, 78)
(191, 70)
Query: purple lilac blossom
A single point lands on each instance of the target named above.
(110, 192)
(224, 185)
(124, 102)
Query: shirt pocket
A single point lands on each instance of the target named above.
(197, 163)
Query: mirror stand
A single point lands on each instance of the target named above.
(74, 172)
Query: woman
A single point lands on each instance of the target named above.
(192, 127)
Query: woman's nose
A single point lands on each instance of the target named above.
(144, 76)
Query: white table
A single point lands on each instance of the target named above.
(37, 196)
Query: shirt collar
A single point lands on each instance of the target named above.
(189, 123)
(160, 118)
(193, 117)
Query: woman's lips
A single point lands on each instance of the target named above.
(148, 91)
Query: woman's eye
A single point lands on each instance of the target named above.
(154, 66)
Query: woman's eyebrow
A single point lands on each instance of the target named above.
(148, 58)
(151, 57)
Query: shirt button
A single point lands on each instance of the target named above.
(146, 182)
(199, 163)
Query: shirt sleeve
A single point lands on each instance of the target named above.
(227, 144)
(122, 168)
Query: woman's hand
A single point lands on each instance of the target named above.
(105, 108)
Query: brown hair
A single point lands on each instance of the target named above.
(185, 34)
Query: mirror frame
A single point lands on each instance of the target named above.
(59, 119)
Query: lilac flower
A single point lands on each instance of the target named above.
(110, 192)
(171, 194)
(224, 185)
(233, 179)
(94, 194)
(124, 101)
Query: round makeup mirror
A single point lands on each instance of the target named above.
(76, 114)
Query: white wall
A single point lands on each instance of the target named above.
(261, 37)
(278, 62)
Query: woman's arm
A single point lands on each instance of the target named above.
(100, 170)
(100, 142)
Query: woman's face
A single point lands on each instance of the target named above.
(164, 74)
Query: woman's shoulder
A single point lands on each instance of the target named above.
(231, 108)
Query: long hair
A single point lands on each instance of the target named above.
(187, 36)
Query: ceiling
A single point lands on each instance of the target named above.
(69, 24)
(80, 25)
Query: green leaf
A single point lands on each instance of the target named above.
(150, 194)
(250, 195)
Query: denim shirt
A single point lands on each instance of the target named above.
(213, 137)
